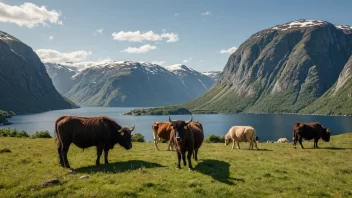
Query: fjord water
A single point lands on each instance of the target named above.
(268, 127)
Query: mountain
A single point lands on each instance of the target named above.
(338, 99)
(25, 86)
(61, 76)
(195, 83)
(127, 83)
(213, 75)
(282, 69)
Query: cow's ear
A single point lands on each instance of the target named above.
(121, 132)
(185, 127)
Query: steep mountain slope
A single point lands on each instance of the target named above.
(126, 83)
(213, 75)
(61, 76)
(338, 99)
(280, 69)
(25, 86)
(195, 83)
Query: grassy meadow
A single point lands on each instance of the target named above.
(276, 170)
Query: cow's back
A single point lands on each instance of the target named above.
(308, 130)
(163, 130)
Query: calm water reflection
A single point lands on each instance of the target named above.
(268, 127)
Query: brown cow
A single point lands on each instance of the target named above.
(183, 139)
(85, 132)
(198, 134)
(162, 130)
(310, 131)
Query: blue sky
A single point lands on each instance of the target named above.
(203, 28)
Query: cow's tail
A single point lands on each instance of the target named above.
(60, 144)
(254, 138)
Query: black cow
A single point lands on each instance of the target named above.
(310, 131)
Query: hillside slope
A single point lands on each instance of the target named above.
(25, 86)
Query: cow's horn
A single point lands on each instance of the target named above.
(190, 119)
(132, 128)
(169, 119)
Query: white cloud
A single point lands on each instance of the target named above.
(159, 62)
(207, 13)
(138, 36)
(49, 55)
(187, 60)
(83, 65)
(29, 15)
(98, 31)
(228, 51)
(139, 50)
(176, 14)
(51, 37)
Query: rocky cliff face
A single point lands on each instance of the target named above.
(127, 83)
(25, 86)
(281, 69)
(338, 99)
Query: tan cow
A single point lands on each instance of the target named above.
(162, 130)
(241, 134)
(282, 140)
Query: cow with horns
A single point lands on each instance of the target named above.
(85, 132)
(310, 131)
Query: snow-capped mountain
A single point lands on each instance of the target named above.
(127, 83)
(213, 74)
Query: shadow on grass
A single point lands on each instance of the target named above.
(118, 167)
(330, 148)
(218, 170)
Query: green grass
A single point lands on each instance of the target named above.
(276, 170)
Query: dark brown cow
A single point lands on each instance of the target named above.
(310, 131)
(162, 130)
(85, 132)
(182, 138)
(198, 134)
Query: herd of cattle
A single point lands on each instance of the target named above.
(185, 136)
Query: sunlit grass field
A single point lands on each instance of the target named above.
(276, 170)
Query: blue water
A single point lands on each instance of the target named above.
(268, 127)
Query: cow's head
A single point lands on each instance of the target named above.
(179, 128)
(125, 139)
(326, 134)
(227, 140)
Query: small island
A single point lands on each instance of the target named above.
(4, 115)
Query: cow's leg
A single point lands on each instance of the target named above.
(64, 152)
(233, 143)
(100, 148)
(250, 145)
(156, 143)
(238, 144)
(196, 155)
(59, 152)
(169, 146)
(316, 142)
(106, 152)
(178, 159)
(189, 156)
(300, 142)
(184, 158)
(294, 139)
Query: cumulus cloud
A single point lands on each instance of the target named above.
(228, 51)
(139, 50)
(51, 37)
(49, 55)
(98, 31)
(187, 60)
(159, 62)
(138, 36)
(207, 13)
(29, 15)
